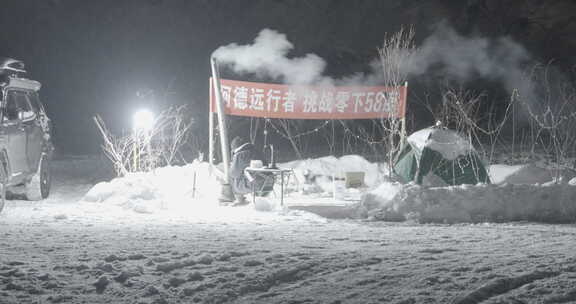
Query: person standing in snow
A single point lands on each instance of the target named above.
(242, 153)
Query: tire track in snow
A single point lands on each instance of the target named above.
(271, 286)
(563, 298)
(502, 286)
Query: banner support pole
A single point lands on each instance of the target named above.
(210, 132)
(403, 119)
(222, 126)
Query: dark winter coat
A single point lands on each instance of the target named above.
(241, 158)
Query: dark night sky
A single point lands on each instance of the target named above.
(92, 57)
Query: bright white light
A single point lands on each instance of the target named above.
(143, 120)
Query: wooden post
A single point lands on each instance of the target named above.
(222, 126)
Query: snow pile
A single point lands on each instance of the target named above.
(316, 175)
(162, 189)
(382, 198)
(523, 193)
(446, 142)
(527, 174)
(265, 205)
(472, 203)
(519, 192)
(169, 193)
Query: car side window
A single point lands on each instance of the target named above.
(24, 106)
(11, 109)
(17, 106)
(35, 102)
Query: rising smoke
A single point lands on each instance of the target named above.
(456, 57)
(464, 59)
(267, 57)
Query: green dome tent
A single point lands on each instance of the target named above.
(440, 153)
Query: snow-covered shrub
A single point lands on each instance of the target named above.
(146, 150)
(396, 56)
(551, 117)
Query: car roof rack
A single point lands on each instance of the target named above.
(12, 67)
(12, 74)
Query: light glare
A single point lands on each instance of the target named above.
(143, 120)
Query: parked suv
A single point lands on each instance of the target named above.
(25, 143)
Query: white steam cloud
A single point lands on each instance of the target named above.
(464, 59)
(445, 51)
(267, 57)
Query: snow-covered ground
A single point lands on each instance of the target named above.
(159, 239)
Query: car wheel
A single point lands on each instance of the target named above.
(39, 186)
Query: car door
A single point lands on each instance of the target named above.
(33, 129)
(15, 135)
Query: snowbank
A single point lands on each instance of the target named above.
(525, 193)
(162, 188)
(519, 192)
(170, 192)
(526, 174)
(467, 203)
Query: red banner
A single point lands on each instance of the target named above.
(267, 100)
